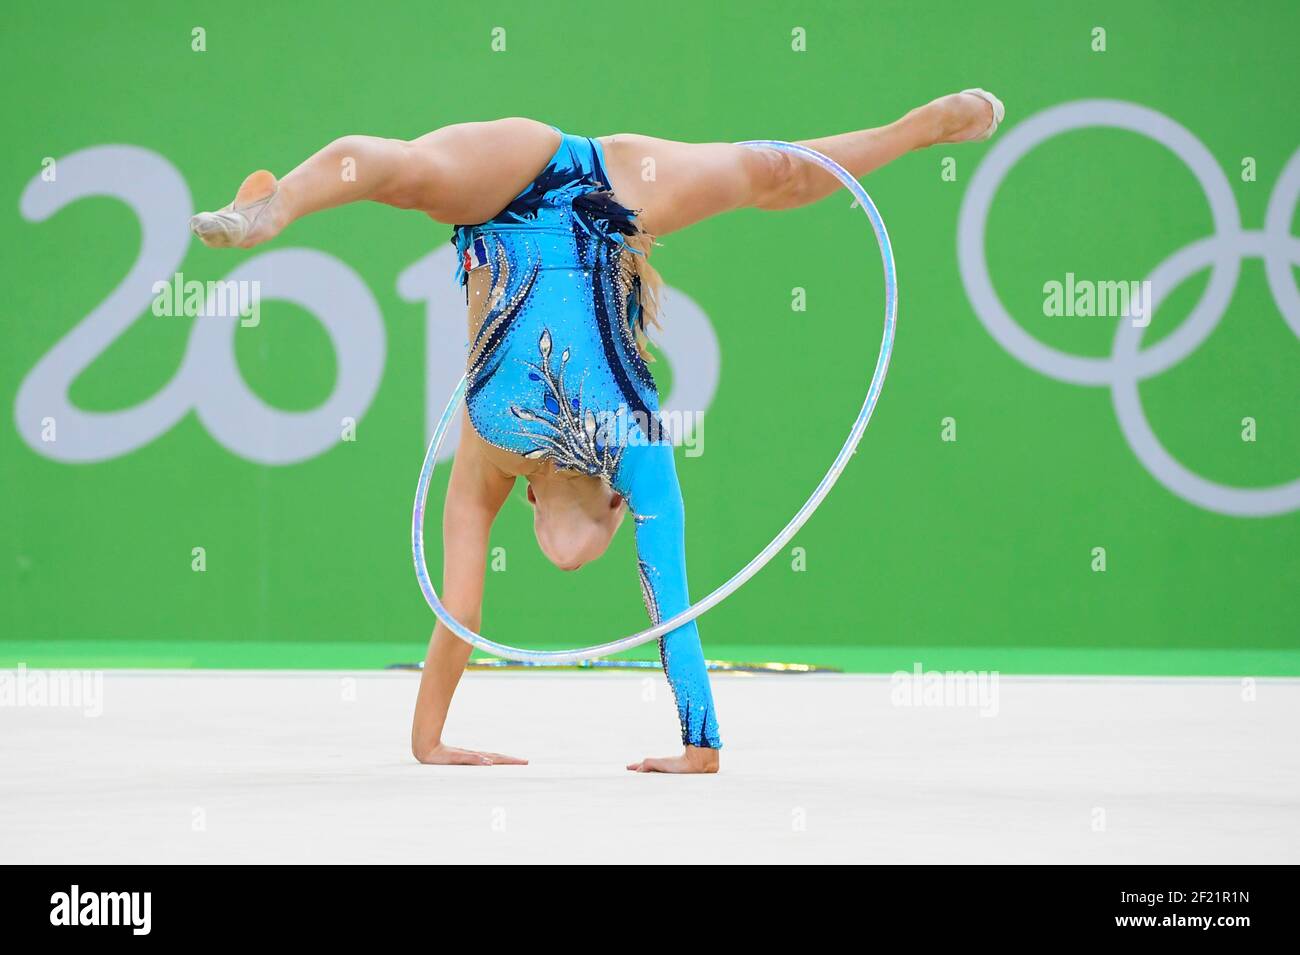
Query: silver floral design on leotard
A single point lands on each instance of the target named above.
(564, 431)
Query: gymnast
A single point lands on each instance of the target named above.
(560, 293)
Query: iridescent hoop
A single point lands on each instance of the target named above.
(768, 552)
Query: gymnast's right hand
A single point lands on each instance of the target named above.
(444, 755)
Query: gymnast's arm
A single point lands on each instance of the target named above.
(655, 499)
(475, 493)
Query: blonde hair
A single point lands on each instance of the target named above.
(638, 271)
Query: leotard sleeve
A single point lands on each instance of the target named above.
(648, 479)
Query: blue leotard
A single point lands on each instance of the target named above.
(554, 373)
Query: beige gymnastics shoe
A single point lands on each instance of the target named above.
(999, 113)
(245, 221)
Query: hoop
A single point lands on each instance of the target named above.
(767, 553)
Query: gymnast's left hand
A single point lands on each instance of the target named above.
(444, 755)
(695, 759)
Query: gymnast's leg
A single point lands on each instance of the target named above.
(677, 184)
(462, 173)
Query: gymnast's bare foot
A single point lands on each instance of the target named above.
(696, 759)
(963, 117)
(257, 215)
(444, 755)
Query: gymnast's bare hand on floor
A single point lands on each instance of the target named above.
(444, 755)
(467, 173)
(696, 759)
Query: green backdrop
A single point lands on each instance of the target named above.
(977, 552)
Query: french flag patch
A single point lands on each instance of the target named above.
(476, 255)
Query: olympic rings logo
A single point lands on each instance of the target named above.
(1128, 363)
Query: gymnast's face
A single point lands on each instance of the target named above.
(575, 516)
